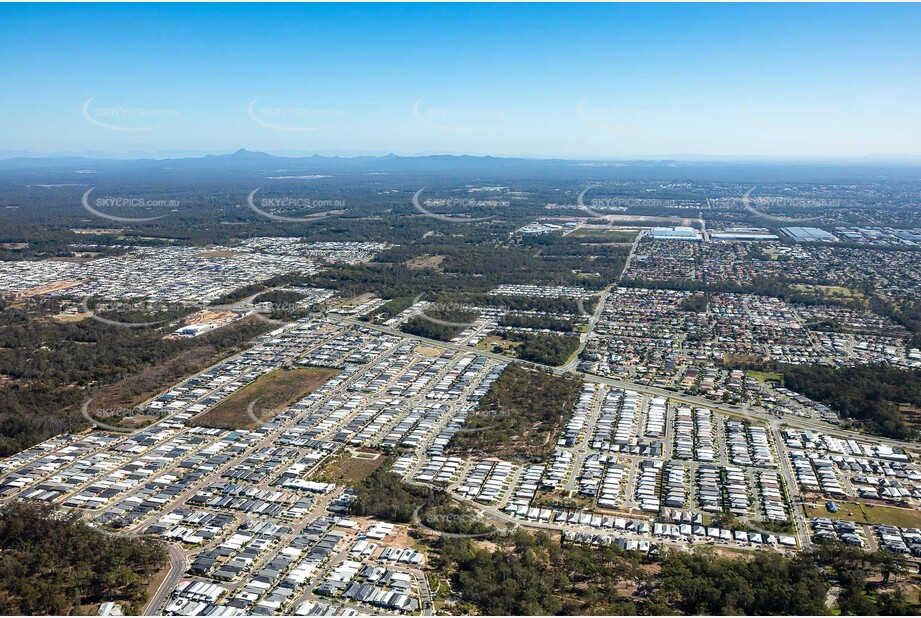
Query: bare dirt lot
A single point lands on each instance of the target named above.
(42, 290)
(425, 261)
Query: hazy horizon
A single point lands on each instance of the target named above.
(679, 157)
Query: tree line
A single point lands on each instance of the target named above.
(868, 394)
(52, 367)
(534, 574)
(51, 563)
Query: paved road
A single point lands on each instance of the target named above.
(636, 243)
(425, 594)
(599, 308)
(583, 338)
(178, 566)
(790, 486)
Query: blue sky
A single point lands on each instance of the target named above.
(592, 81)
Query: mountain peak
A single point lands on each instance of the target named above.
(243, 152)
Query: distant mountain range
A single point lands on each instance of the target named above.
(250, 159)
(701, 169)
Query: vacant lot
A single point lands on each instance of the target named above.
(488, 343)
(604, 235)
(353, 467)
(425, 261)
(429, 351)
(870, 514)
(274, 391)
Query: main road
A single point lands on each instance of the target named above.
(178, 566)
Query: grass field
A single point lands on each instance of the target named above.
(608, 235)
(765, 376)
(832, 291)
(275, 391)
(869, 514)
(391, 308)
(508, 347)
